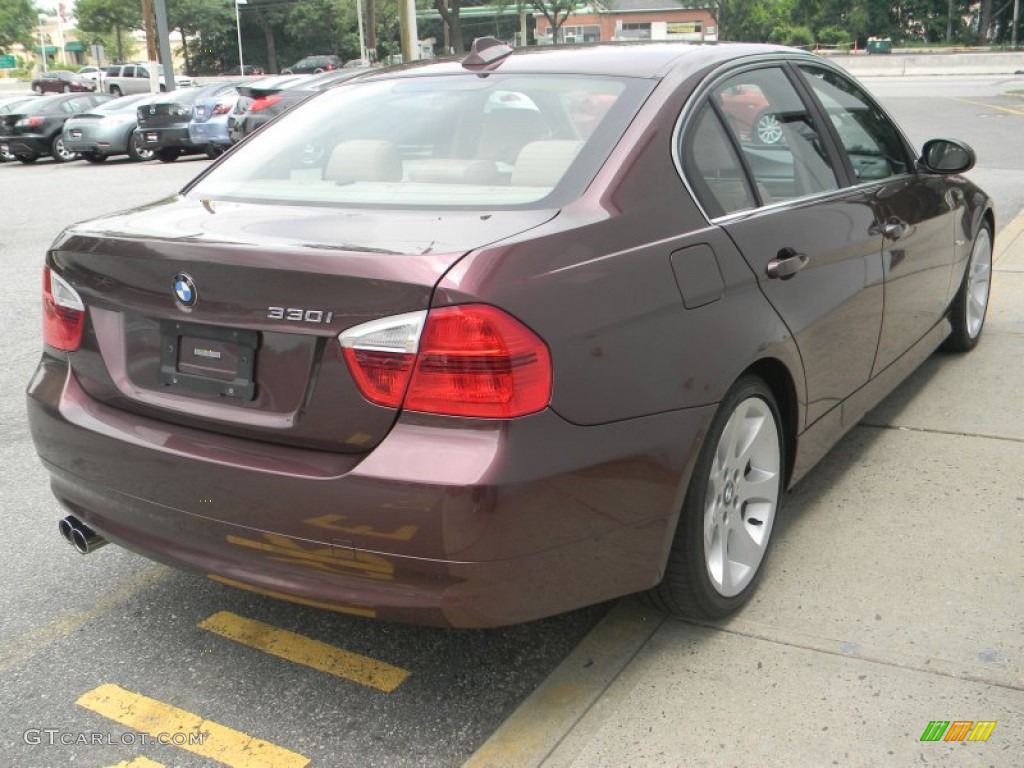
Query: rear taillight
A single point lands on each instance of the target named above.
(63, 313)
(29, 122)
(262, 102)
(471, 360)
(221, 109)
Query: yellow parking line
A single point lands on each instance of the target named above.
(305, 651)
(138, 762)
(212, 740)
(1010, 110)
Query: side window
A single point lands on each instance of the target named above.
(713, 167)
(141, 72)
(781, 145)
(869, 137)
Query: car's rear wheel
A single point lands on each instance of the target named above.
(27, 159)
(167, 154)
(137, 150)
(94, 157)
(213, 151)
(115, 90)
(66, 89)
(967, 313)
(725, 527)
(59, 151)
(37, 89)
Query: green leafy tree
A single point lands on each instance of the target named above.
(17, 21)
(106, 21)
(199, 20)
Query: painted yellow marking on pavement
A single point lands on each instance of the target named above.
(139, 762)
(1007, 236)
(548, 715)
(1019, 111)
(19, 649)
(226, 745)
(354, 610)
(306, 651)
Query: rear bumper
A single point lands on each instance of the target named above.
(211, 132)
(445, 522)
(100, 145)
(26, 145)
(159, 138)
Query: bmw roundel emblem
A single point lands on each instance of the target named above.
(185, 290)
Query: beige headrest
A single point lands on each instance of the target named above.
(543, 163)
(364, 160)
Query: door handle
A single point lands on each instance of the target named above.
(786, 264)
(893, 230)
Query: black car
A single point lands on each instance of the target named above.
(264, 100)
(248, 69)
(163, 124)
(33, 128)
(312, 65)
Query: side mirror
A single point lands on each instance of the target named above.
(946, 156)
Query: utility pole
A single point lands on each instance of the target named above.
(160, 10)
(1016, 19)
(410, 34)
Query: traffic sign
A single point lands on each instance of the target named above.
(8, 62)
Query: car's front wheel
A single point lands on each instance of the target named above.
(37, 89)
(168, 154)
(725, 526)
(967, 313)
(115, 90)
(137, 150)
(66, 89)
(59, 151)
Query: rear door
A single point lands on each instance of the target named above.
(916, 212)
(813, 244)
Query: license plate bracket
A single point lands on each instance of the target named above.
(208, 360)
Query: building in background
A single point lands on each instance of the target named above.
(605, 20)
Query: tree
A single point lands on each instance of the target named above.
(17, 20)
(101, 19)
(449, 10)
(200, 19)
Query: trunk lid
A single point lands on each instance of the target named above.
(164, 114)
(257, 355)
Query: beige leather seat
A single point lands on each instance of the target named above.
(543, 163)
(364, 160)
(505, 132)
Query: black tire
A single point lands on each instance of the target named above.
(27, 159)
(688, 589)
(212, 151)
(167, 154)
(59, 152)
(115, 90)
(137, 150)
(94, 158)
(967, 312)
(318, 70)
(37, 90)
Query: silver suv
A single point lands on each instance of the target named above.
(120, 79)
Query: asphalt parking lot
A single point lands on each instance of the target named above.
(892, 599)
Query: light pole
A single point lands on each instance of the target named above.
(362, 40)
(42, 41)
(238, 25)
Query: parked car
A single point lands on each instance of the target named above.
(209, 123)
(246, 70)
(108, 129)
(412, 352)
(124, 79)
(163, 122)
(62, 81)
(311, 65)
(262, 101)
(7, 105)
(90, 72)
(747, 109)
(33, 128)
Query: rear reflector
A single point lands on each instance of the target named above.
(471, 360)
(63, 313)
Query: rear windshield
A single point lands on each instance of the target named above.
(460, 141)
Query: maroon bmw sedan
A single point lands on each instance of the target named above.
(475, 342)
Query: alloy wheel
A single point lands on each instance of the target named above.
(742, 496)
(768, 129)
(979, 276)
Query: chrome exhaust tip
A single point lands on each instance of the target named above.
(79, 535)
